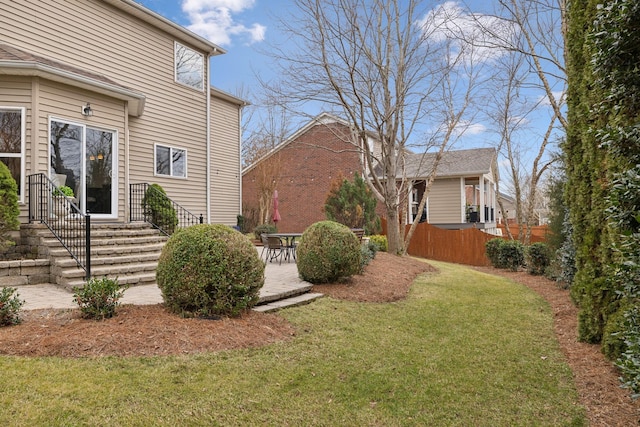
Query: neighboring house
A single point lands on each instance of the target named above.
(303, 166)
(102, 94)
(301, 169)
(509, 204)
(463, 194)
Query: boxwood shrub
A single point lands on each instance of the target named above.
(209, 270)
(327, 252)
(538, 258)
(492, 248)
(511, 255)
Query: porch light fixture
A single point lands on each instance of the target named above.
(86, 110)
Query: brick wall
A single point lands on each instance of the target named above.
(307, 166)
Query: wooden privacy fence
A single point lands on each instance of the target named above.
(459, 246)
(538, 232)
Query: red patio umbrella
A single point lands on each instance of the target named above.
(276, 214)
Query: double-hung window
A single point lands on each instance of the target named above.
(189, 67)
(170, 161)
(12, 134)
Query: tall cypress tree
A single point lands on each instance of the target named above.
(587, 178)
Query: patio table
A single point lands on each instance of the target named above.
(290, 241)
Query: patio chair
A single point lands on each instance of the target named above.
(275, 249)
(265, 246)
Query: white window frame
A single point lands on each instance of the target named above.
(200, 86)
(21, 154)
(114, 176)
(171, 149)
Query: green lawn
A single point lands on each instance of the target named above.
(464, 349)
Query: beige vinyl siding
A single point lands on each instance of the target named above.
(225, 162)
(445, 201)
(97, 37)
(16, 92)
(64, 102)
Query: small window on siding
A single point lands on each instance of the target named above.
(171, 161)
(12, 143)
(189, 67)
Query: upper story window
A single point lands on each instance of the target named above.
(189, 67)
(12, 143)
(171, 161)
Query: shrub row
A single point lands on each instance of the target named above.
(511, 254)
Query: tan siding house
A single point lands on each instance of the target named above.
(447, 192)
(108, 94)
(463, 193)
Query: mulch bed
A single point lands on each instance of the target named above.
(595, 377)
(152, 330)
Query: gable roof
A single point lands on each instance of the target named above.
(320, 119)
(18, 62)
(475, 161)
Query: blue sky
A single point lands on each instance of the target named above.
(245, 29)
(241, 27)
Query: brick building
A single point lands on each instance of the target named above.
(301, 170)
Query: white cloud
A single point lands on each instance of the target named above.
(214, 20)
(558, 95)
(467, 128)
(477, 36)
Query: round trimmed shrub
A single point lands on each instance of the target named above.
(511, 255)
(538, 258)
(209, 270)
(264, 229)
(327, 252)
(492, 248)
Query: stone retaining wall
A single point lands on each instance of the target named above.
(25, 272)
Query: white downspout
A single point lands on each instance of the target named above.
(240, 158)
(208, 195)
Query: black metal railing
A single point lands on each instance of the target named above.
(149, 203)
(61, 215)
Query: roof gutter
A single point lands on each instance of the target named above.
(135, 99)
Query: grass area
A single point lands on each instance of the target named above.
(464, 349)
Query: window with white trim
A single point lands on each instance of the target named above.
(189, 67)
(12, 132)
(170, 161)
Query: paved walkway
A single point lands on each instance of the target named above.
(280, 281)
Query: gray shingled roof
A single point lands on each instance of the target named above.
(474, 161)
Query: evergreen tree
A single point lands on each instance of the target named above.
(587, 183)
(352, 204)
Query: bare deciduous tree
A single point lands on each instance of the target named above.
(387, 67)
(534, 62)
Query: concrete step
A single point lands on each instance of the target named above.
(143, 278)
(287, 302)
(277, 292)
(97, 261)
(112, 241)
(104, 251)
(118, 270)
